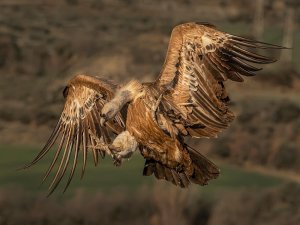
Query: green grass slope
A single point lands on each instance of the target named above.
(107, 177)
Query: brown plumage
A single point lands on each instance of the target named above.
(187, 99)
(79, 126)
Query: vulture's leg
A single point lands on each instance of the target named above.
(123, 147)
(124, 95)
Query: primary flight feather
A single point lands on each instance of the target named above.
(187, 99)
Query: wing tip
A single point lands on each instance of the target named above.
(24, 167)
(257, 44)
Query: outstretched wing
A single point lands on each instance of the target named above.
(199, 59)
(79, 126)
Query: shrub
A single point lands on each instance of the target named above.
(287, 156)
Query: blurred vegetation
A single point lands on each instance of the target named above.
(154, 206)
(106, 176)
(265, 133)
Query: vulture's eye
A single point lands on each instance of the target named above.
(66, 91)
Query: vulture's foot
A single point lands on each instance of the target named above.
(123, 147)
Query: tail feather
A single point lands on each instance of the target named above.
(162, 172)
(203, 170)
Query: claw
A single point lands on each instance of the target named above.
(117, 161)
(102, 121)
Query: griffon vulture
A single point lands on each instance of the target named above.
(188, 98)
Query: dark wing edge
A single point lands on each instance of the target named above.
(79, 127)
(230, 55)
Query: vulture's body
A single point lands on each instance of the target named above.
(187, 99)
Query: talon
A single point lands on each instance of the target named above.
(114, 154)
(102, 121)
(117, 163)
(116, 160)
